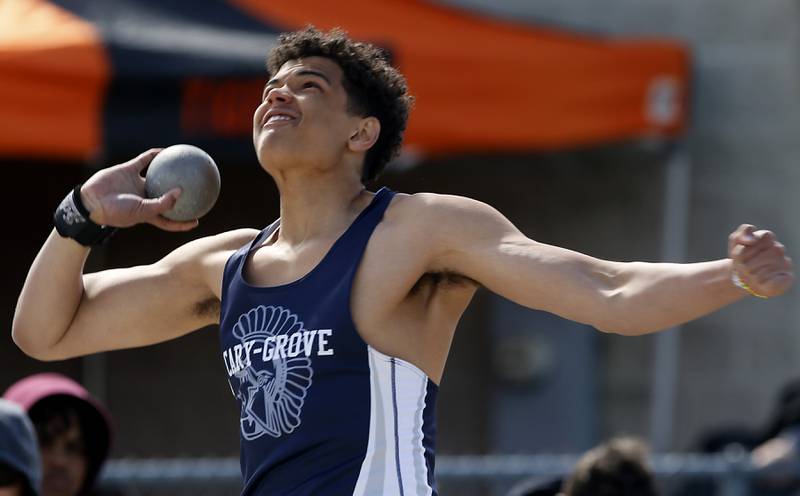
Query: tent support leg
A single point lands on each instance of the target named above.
(666, 350)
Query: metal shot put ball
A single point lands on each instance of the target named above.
(189, 168)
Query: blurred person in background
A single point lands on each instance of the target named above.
(73, 429)
(732, 442)
(20, 468)
(778, 447)
(336, 320)
(619, 467)
(774, 449)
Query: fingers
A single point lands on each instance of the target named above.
(173, 225)
(766, 274)
(141, 162)
(743, 235)
(151, 207)
(151, 210)
(779, 283)
(746, 243)
(767, 255)
(768, 245)
(760, 260)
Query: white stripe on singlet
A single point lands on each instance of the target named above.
(394, 463)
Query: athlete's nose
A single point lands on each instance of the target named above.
(279, 94)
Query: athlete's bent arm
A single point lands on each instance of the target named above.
(63, 313)
(473, 239)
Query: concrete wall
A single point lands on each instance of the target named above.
(745, 148)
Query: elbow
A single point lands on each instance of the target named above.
(618, 326)
(22, 340)
(606, 329)
(623, 324)
(25, 345)
(606, 316)
(623, 329)
(26, 342)
(617, 317)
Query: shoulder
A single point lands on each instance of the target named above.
(425, 200)
(436, 206)
(202, 261)
(437, 215)
(209, 250)
(437, 230)
(226, 241)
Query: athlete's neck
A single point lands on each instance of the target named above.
(318, 206)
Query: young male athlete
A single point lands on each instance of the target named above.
(336, 320)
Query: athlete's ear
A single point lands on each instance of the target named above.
(364, 135)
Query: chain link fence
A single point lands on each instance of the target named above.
(729, 474)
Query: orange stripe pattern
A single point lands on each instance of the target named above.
(483, 84)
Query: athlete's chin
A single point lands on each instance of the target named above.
(271, 146)
(277, 135)
(275, 158)
(269, 163)
(268, 148)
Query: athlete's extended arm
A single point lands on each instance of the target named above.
(62, 313)
(473, 239)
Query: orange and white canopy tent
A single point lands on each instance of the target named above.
(79, 77)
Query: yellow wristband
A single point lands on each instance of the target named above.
(737, 281)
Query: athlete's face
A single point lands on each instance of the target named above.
(302, 120)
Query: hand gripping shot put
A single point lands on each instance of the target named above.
(193, 171)
(336, 319)
(182, 184)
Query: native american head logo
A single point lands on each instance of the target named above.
(271, 392)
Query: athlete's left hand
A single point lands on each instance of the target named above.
(760, 261)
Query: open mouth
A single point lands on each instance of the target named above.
(273, 118)
(278, 118)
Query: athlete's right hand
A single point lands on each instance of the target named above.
(115, 197)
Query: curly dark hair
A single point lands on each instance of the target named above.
(374, 88)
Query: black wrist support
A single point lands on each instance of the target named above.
(72, 221)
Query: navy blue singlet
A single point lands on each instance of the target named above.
(322, 412)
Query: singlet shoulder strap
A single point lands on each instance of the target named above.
(263, 235)
(348, 251)
(234, 262)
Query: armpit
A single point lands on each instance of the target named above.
(207, 308)
(444, 279)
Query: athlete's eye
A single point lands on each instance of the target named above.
(311, 84)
